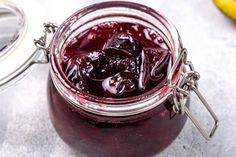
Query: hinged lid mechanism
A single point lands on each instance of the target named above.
(20, 22)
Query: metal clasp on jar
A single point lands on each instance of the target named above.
(43, 42)
(189, 82)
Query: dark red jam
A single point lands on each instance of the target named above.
(116, 60)
(141, 135)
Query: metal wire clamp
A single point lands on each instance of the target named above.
(189, 82)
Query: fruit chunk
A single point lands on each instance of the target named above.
(119, 83)
(124, 46)
(82, 70)
(123, 43)
(159, 63)
(228, 7)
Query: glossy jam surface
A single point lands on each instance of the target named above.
(116, 60)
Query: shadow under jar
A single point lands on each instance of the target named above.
(139, 125)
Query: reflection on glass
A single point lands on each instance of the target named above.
(12, 24)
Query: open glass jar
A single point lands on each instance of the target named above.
(141, 125)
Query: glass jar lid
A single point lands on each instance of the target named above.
(18, 27)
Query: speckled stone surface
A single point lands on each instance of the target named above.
(25, 128)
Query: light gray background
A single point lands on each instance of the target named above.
(25, 128)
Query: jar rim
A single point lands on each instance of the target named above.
(111, 106)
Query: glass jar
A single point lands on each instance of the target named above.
(103, 127)
(136, 126)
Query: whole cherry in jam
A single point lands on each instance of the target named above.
(116, 60)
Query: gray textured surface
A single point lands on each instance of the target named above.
(25, 128)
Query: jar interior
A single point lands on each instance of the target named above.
(125, 12)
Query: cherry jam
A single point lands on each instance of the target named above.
(141, 135)
(116, 60)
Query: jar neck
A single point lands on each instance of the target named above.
(110, 12)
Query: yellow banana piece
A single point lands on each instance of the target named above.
(228, 7)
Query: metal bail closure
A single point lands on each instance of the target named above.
(44, 41)
(181, 91)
